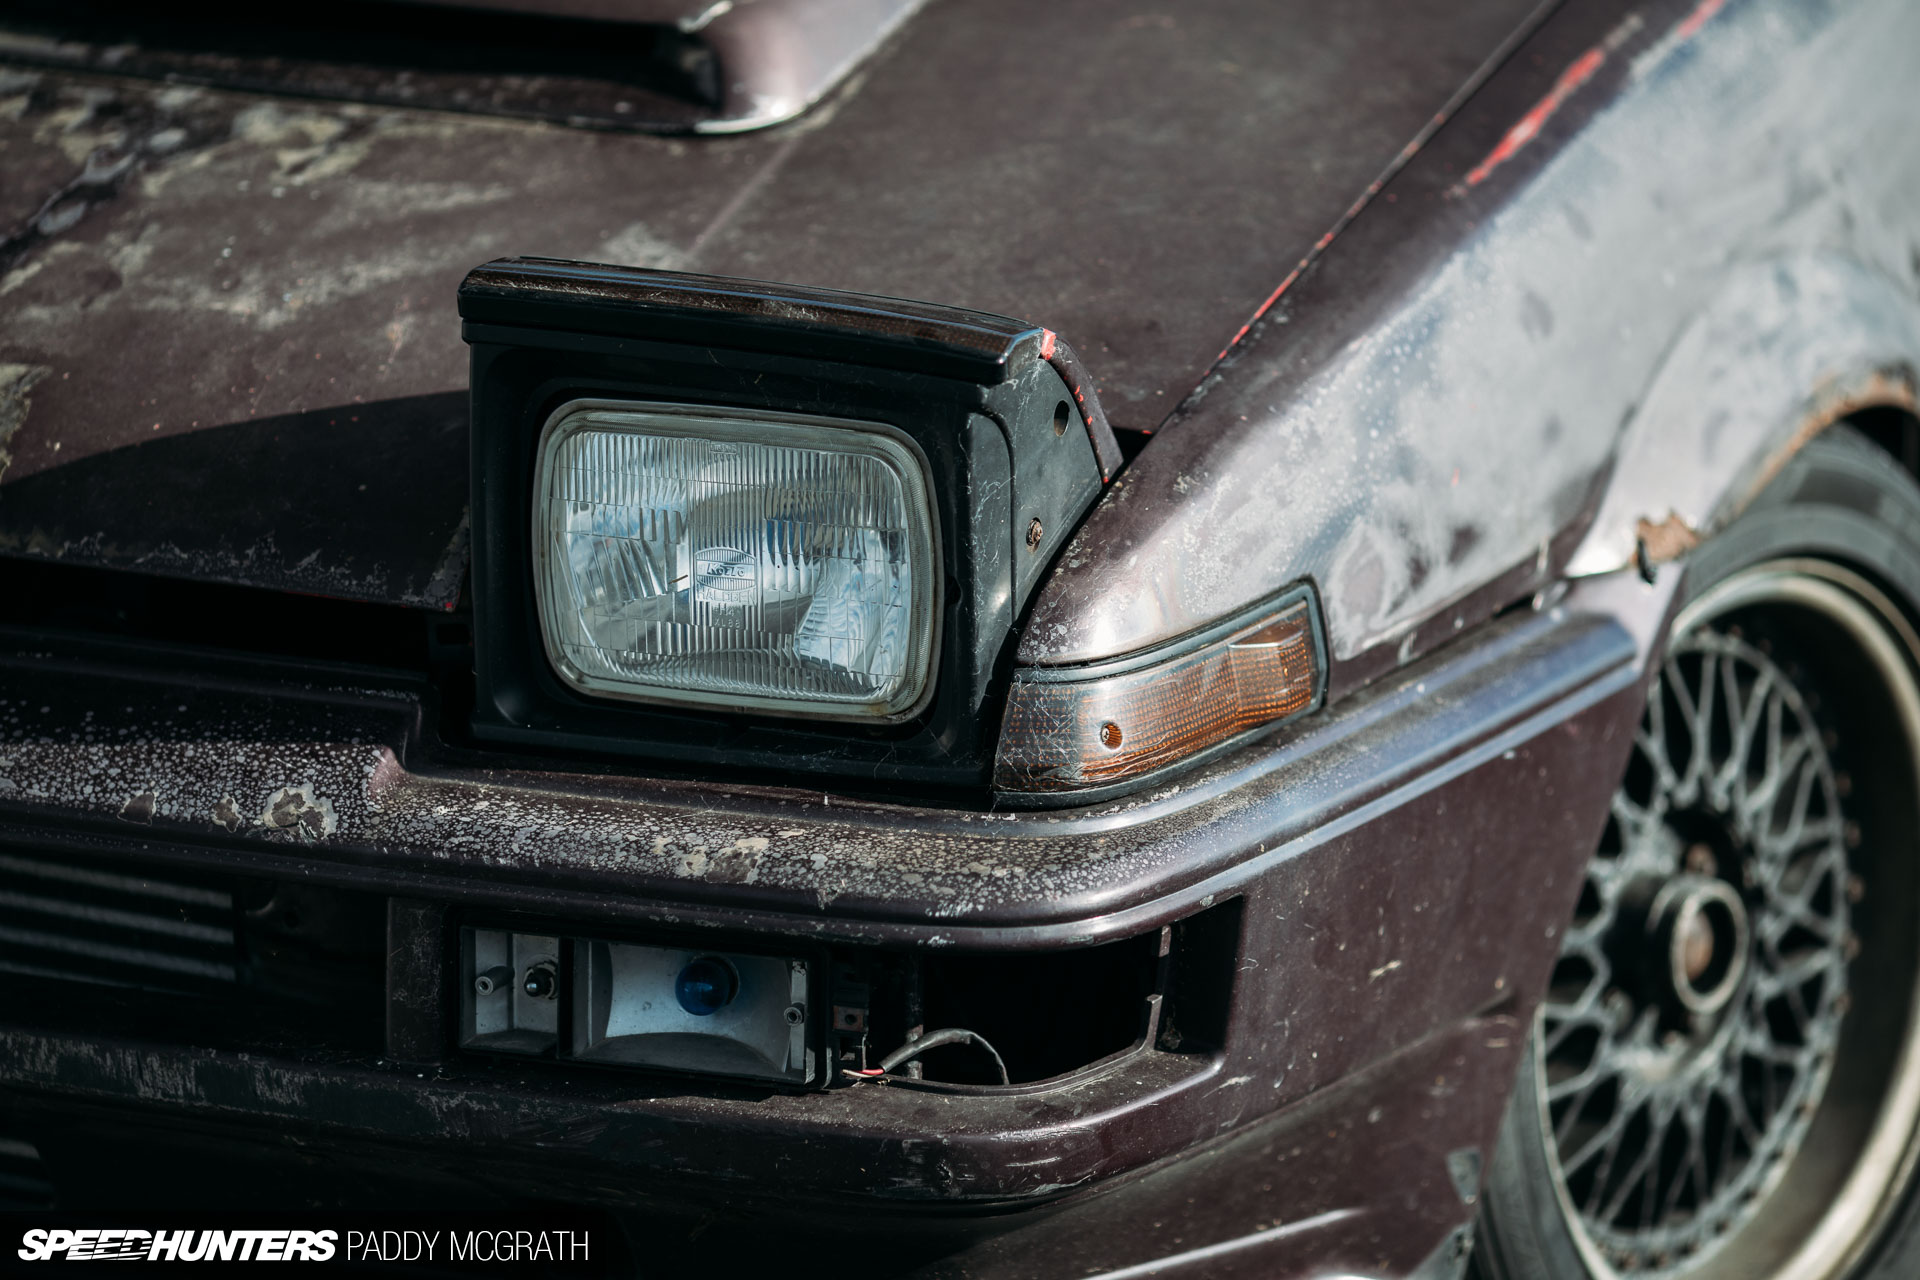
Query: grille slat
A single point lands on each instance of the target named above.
(139, 886)
(23, 1181)
(104, 927)
(87, 913)
(133, 957)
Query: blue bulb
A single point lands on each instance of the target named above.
(705, 986)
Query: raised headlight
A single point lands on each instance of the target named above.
(736, 559)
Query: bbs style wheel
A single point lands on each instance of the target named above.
(1724, 1075)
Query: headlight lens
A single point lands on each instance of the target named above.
(727, 558)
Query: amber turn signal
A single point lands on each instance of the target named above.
(1082, 728)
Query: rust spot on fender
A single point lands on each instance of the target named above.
(1665, 540)
(227, 814)
(1883, 389)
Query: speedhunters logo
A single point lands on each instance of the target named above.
(99, 1244)
(438, 1244)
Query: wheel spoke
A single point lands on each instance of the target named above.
(1633, 1180)
(1700, 726)
(1782, 761)
(1799, 765)
(1731, 780)
(1793, 975)
(1682, 785)
(1693, 1172)
(1557, 1038)
(1615, 1134)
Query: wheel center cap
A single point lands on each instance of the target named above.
(1700, 926)
(1696, 948)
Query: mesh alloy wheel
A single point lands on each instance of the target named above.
(1714, 1031)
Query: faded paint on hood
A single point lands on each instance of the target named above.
(228, 346)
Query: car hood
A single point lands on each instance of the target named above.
(228, 344)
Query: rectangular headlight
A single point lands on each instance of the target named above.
(736, 559)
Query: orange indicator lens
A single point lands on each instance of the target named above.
(1067, 734)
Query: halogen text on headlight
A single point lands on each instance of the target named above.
(736, 559)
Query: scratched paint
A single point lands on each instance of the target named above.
(1576, 75)
(1399, 162)
(1529, 125)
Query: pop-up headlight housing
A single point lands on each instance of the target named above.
(725, 523)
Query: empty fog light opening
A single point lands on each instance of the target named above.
(1023, 1019)
(913, 1049)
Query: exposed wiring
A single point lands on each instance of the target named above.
(934, 1040)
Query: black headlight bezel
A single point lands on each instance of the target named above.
(977, 394)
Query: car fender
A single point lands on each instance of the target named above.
(1785, 348)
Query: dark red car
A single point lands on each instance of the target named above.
(1372, 730)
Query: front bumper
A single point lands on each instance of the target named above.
(1402, 862)
(1363, 1177)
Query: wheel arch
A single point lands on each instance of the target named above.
(1784, 349)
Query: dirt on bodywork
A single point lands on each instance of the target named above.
(190, 261)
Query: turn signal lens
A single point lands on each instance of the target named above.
(733, 559)
(1073, 729)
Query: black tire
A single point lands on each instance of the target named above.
(1827, 1182)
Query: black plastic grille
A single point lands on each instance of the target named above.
(187, 954)
(111, 927)
(23, 1181)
